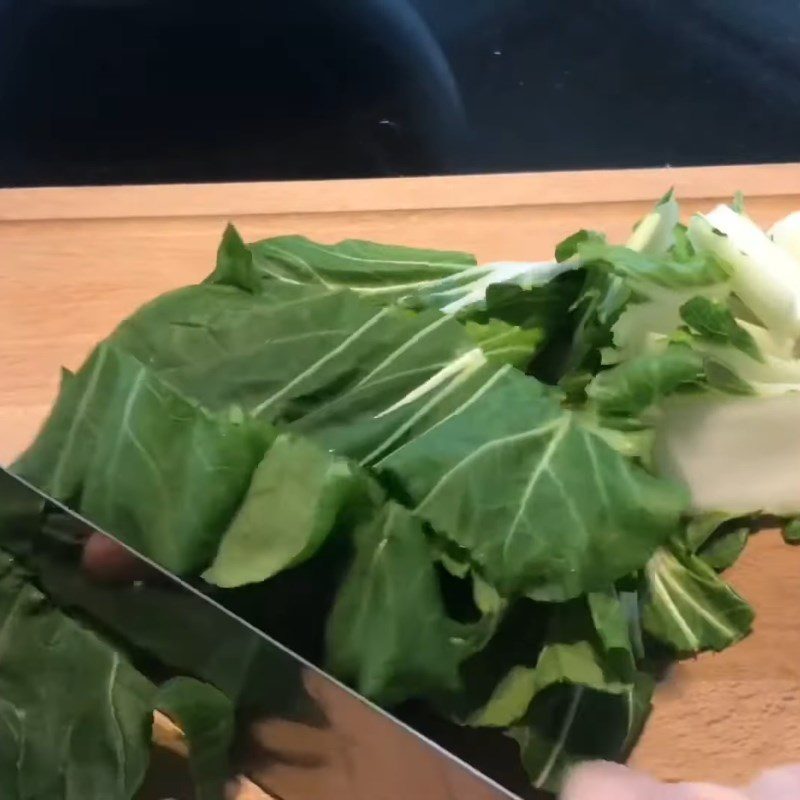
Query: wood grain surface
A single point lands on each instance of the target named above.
(73, 262)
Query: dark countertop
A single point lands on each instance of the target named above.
(136, 91)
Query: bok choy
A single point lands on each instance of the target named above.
(522, 480)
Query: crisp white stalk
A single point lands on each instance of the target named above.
(655, 234)
(766, 277)
(519, 273)
(739, 455)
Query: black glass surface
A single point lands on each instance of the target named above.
(112, 91)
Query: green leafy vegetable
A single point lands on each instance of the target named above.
(504, 490)
(297, 494)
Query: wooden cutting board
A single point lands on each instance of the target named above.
(73, 262)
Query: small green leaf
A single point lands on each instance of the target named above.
(701, 527)
(505, 344)
(206, 717)
(570, 246)
(682, 249)
(689, 608)
(545, 307)
(379, 271)
(235, 264)
(296, 495)
(723, 550)
(388, 633)
(75, 716)
(713, 322)
(560, 729)
(791, 531)
(724, 379)
(642, 269)
(630, 388)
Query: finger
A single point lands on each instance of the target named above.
(107, 561)
(708, 791)
(777, 784)
(603, 780)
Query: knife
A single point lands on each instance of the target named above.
(306, 736)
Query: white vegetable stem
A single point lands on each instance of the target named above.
(786, 234)
(765, 276)
(738, 455)
(520, 273)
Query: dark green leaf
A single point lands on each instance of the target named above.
(381, 272)
(388, 633)
(689, 607)
(724, 379)
(349, 374)
(546, 307)
(505, 344)
(296, 495)
(235, 264)
(713, 321)
(587, 645)
(718, 538)
(701, 527)
(603, 297)
(143, 462)
(561, 730)
(682, 250)
(376, 416)
(165, 475)
(614, 622)
(631, 387)
(58, 459)
(724, 550)
(570, 246)
(703, 270)
(498, 680)
(541, 504)
(75, 717)
(206, 717)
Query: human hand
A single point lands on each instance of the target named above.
(601, 780)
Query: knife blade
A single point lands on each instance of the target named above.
(305, 735)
